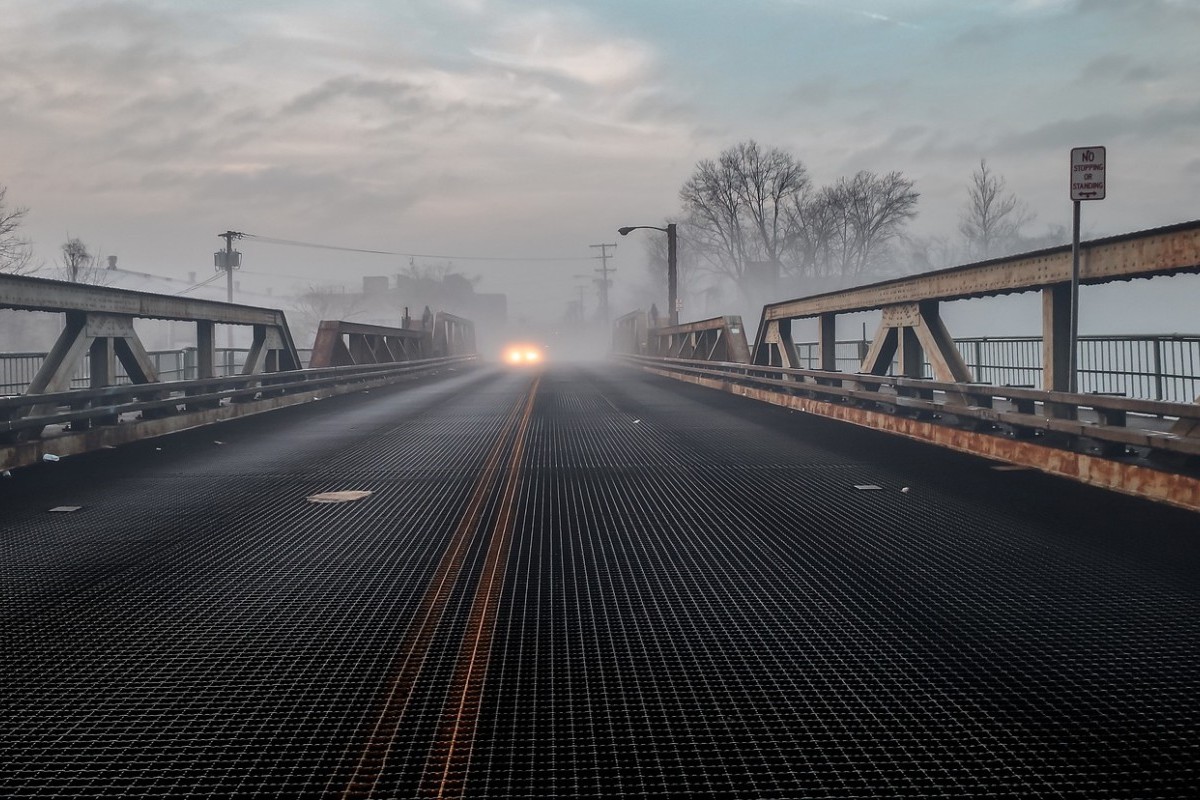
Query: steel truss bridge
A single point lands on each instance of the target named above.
(598, 580)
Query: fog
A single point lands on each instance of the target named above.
(498, 141)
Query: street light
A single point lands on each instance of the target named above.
(672, 267)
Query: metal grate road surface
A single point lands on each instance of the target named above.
(584, 582)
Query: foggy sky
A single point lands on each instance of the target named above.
(475, 127)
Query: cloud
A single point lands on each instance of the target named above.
(395, 95)
(876, 17)
(1120, 68)
(1156, 122)
(562, 46)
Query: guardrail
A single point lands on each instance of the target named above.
(913, 378)
(1151, 367)
(134, 402)
(1141, 447)
(340, 343)
(716, 339)
(93, 418)
(912, 334)
(17, 370)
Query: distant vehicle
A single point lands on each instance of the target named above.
(524, 353)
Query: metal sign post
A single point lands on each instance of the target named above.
(1087, 183)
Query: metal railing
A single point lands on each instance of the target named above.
(1136, 446)
(17, 369)
(1151, 367)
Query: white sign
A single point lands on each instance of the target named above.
(1087, 173)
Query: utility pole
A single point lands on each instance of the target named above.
(228, 260)
(582, 287)
(603, 282)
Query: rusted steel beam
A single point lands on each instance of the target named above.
(969, 405)
(377, 330)
(1159, 251)
(689, 339)
(629, 333)
(41, 294)
(453, 335)
(1167, 487)
(339, 343)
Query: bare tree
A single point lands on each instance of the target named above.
(325, 301)
(77, 264)
(16, 252)
(992, 218)
(690, 259)
(736, 207)
(847, 228)
(815, 221)
(436, 272)
(928, 253)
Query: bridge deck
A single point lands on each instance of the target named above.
(588, 583)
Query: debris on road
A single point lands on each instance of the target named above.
(65, 509)
(338, 497)
(50, 457)
(867, 487)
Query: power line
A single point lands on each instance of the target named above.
(317, 246)
(204, 282)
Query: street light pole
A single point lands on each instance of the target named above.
(673, 273)
(672, 265)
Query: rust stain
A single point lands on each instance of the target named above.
(413, 650)
(1132, 479)
(445, 773)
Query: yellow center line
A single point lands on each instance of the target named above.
(445, 773)
(414, 650)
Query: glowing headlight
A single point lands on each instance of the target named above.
(523, 354)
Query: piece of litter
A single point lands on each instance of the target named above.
(636, 421)
(50, 457)
(6, 474)
(904, 490)
(217, 442)
(65, 509)
(158, 449)
(866, 486)
(108, 447)
(338, 497)
(1011, 468)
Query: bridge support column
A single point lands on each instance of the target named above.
(1056, 346)
(206, 349)
(827, 342)
(777, 348)
(105, 338)
(916, 332)
(206, 360)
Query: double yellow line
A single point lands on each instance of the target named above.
(445, 770)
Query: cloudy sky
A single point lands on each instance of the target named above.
(526, 128)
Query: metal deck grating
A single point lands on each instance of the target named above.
(697, 603)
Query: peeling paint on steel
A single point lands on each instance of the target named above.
(1166, 487)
